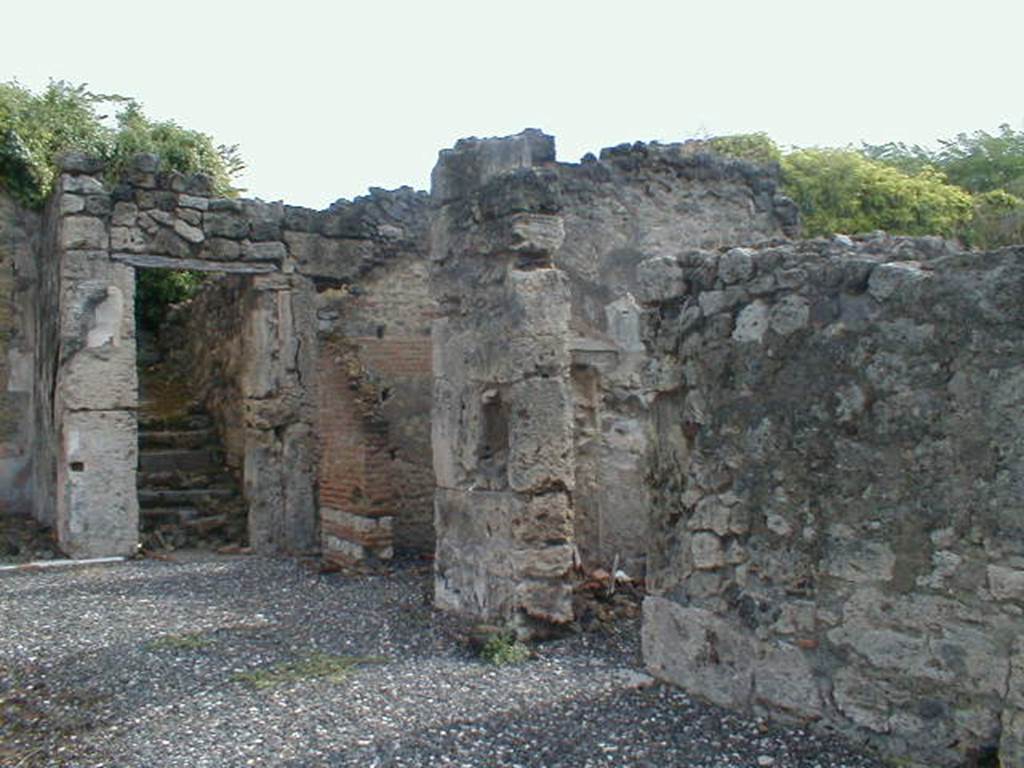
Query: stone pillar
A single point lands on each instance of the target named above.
(96, 388)
(502, 413)
(278, 434)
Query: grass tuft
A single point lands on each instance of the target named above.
(502, 649)
(192, 641)
(319, 665)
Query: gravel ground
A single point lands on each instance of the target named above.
(145, 664)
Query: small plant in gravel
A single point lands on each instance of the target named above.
(318, 665)
(192, 641)
(502, 648)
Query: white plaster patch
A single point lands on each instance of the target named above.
(752, 323)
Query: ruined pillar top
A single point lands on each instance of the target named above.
(473, 161)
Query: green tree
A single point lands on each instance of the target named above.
(36, 128)
(998, 220)
(841, 190)
(984, 162)
(911, 159)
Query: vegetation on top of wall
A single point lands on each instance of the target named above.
(753, 147)
(971, 187)
(35, 129)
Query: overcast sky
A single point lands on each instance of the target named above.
(329, 98)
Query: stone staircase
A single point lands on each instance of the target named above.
(187, 496)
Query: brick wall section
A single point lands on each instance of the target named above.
(374, 382)
(355, 502)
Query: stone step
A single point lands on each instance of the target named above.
(180, 460)
(183, 497)
(155, 516)
(176, 422)
(215, 477)
(180, 439)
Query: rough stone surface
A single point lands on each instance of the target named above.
(854, 424)
(811, 449)
(502, 410)
(20, 231)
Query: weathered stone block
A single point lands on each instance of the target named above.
(101, 377)
(223, 224)
(659, 279)
(220, 249)
(83, 185)
(1006, 584)
(128, 239)
(698, 651)
(194, 202)
(188, 232)
(785, 679)
(546, 519)
(71, 204)
(751, 323)
(83, 232)
(98, 513)
(790, 315)
(736, 265)
(706, 550)
(124, 215)
(540, 436)
(264, 251)
(888, 280)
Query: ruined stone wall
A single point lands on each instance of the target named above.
(632, 203)
(95, 384)
(837, 473)
(19, 242)
(298, 283)
(374, 382)
(502, 417)
(536, 268)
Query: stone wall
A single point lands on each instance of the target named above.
(630, 204)
(374, 382)
(295, 284)
(19, 241)
(536, 269)
(95, 387)
(502, 418)
(837, 470)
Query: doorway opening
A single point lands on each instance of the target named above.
(189, 489)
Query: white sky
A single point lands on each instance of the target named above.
(329, 98)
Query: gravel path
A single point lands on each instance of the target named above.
(155, 663)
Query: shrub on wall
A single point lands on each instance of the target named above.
(36, 128)
(753, 147)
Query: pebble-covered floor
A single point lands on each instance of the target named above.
(217, 661)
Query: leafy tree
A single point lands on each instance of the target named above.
(841, 190)
(998, 220)
(179, 149)
(36, 128)
(983, 162)
(911, 159)
(157, 289)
